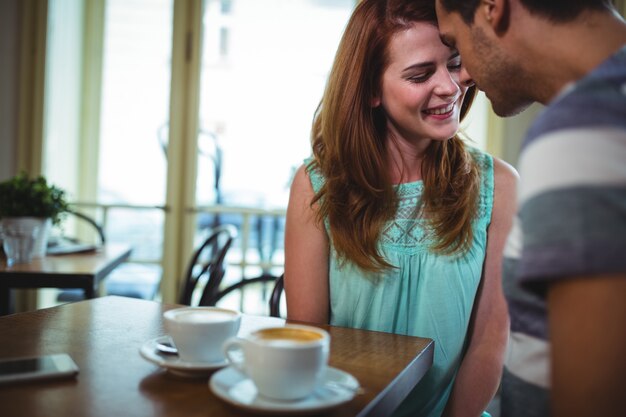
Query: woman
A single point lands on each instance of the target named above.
(395, 224)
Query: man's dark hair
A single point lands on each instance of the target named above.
(555, 10)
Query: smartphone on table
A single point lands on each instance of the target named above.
(39, 367)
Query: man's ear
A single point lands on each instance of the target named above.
(496, 14)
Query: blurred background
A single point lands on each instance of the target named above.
(164, 118)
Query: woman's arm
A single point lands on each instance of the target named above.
(306, 256)
(479, 375)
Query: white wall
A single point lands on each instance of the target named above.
(9, 79)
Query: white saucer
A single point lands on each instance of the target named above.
(174, 364)
(234, 388)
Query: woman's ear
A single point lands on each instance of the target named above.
(375, 102)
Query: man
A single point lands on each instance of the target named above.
(565, 267)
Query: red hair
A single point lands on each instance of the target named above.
(349, 148)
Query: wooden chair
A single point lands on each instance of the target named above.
(73, 245)
(207, 266)
(130, 284)
(260, 283)
(277, 292)
(66, 244)
(99, 229)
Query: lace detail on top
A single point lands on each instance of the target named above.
(407, 232)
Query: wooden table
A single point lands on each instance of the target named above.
(104, 335)
(81, 270)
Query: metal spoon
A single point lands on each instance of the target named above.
(166, 346)
(357, 390)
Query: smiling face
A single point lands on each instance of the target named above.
(420, 88)
(495, 71)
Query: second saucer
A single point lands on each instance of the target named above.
(173, 363)
(336, 388)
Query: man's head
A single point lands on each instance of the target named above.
(555, 10)
(493, 39)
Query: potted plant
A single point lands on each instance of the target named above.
(33, 201)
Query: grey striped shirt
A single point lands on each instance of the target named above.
(571, 219)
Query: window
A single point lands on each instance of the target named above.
(242, 115)
(261, 73)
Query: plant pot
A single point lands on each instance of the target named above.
(41, 243)
(18, 240)
(41, 238)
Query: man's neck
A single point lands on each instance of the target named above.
(557, 54)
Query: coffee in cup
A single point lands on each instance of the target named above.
(200, 332)
(284, 363)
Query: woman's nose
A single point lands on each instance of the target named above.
(447, 84)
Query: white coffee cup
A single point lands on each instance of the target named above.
(200, 332)
(284, 363)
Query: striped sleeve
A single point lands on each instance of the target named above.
(573, 187)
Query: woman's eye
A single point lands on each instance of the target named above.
(419, 78)
(455, 64)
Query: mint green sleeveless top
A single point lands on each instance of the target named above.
(427, 295)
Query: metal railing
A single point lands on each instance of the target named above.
(263, 224)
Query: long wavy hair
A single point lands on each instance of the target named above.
(349, 147)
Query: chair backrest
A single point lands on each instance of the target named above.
(249, 283)
(92, 222)
(208, 261)
(60, 244)
(277, 292)
(67, 245)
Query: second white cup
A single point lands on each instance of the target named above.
(200, 332)
(284, 363)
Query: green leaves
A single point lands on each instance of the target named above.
(22, 196)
